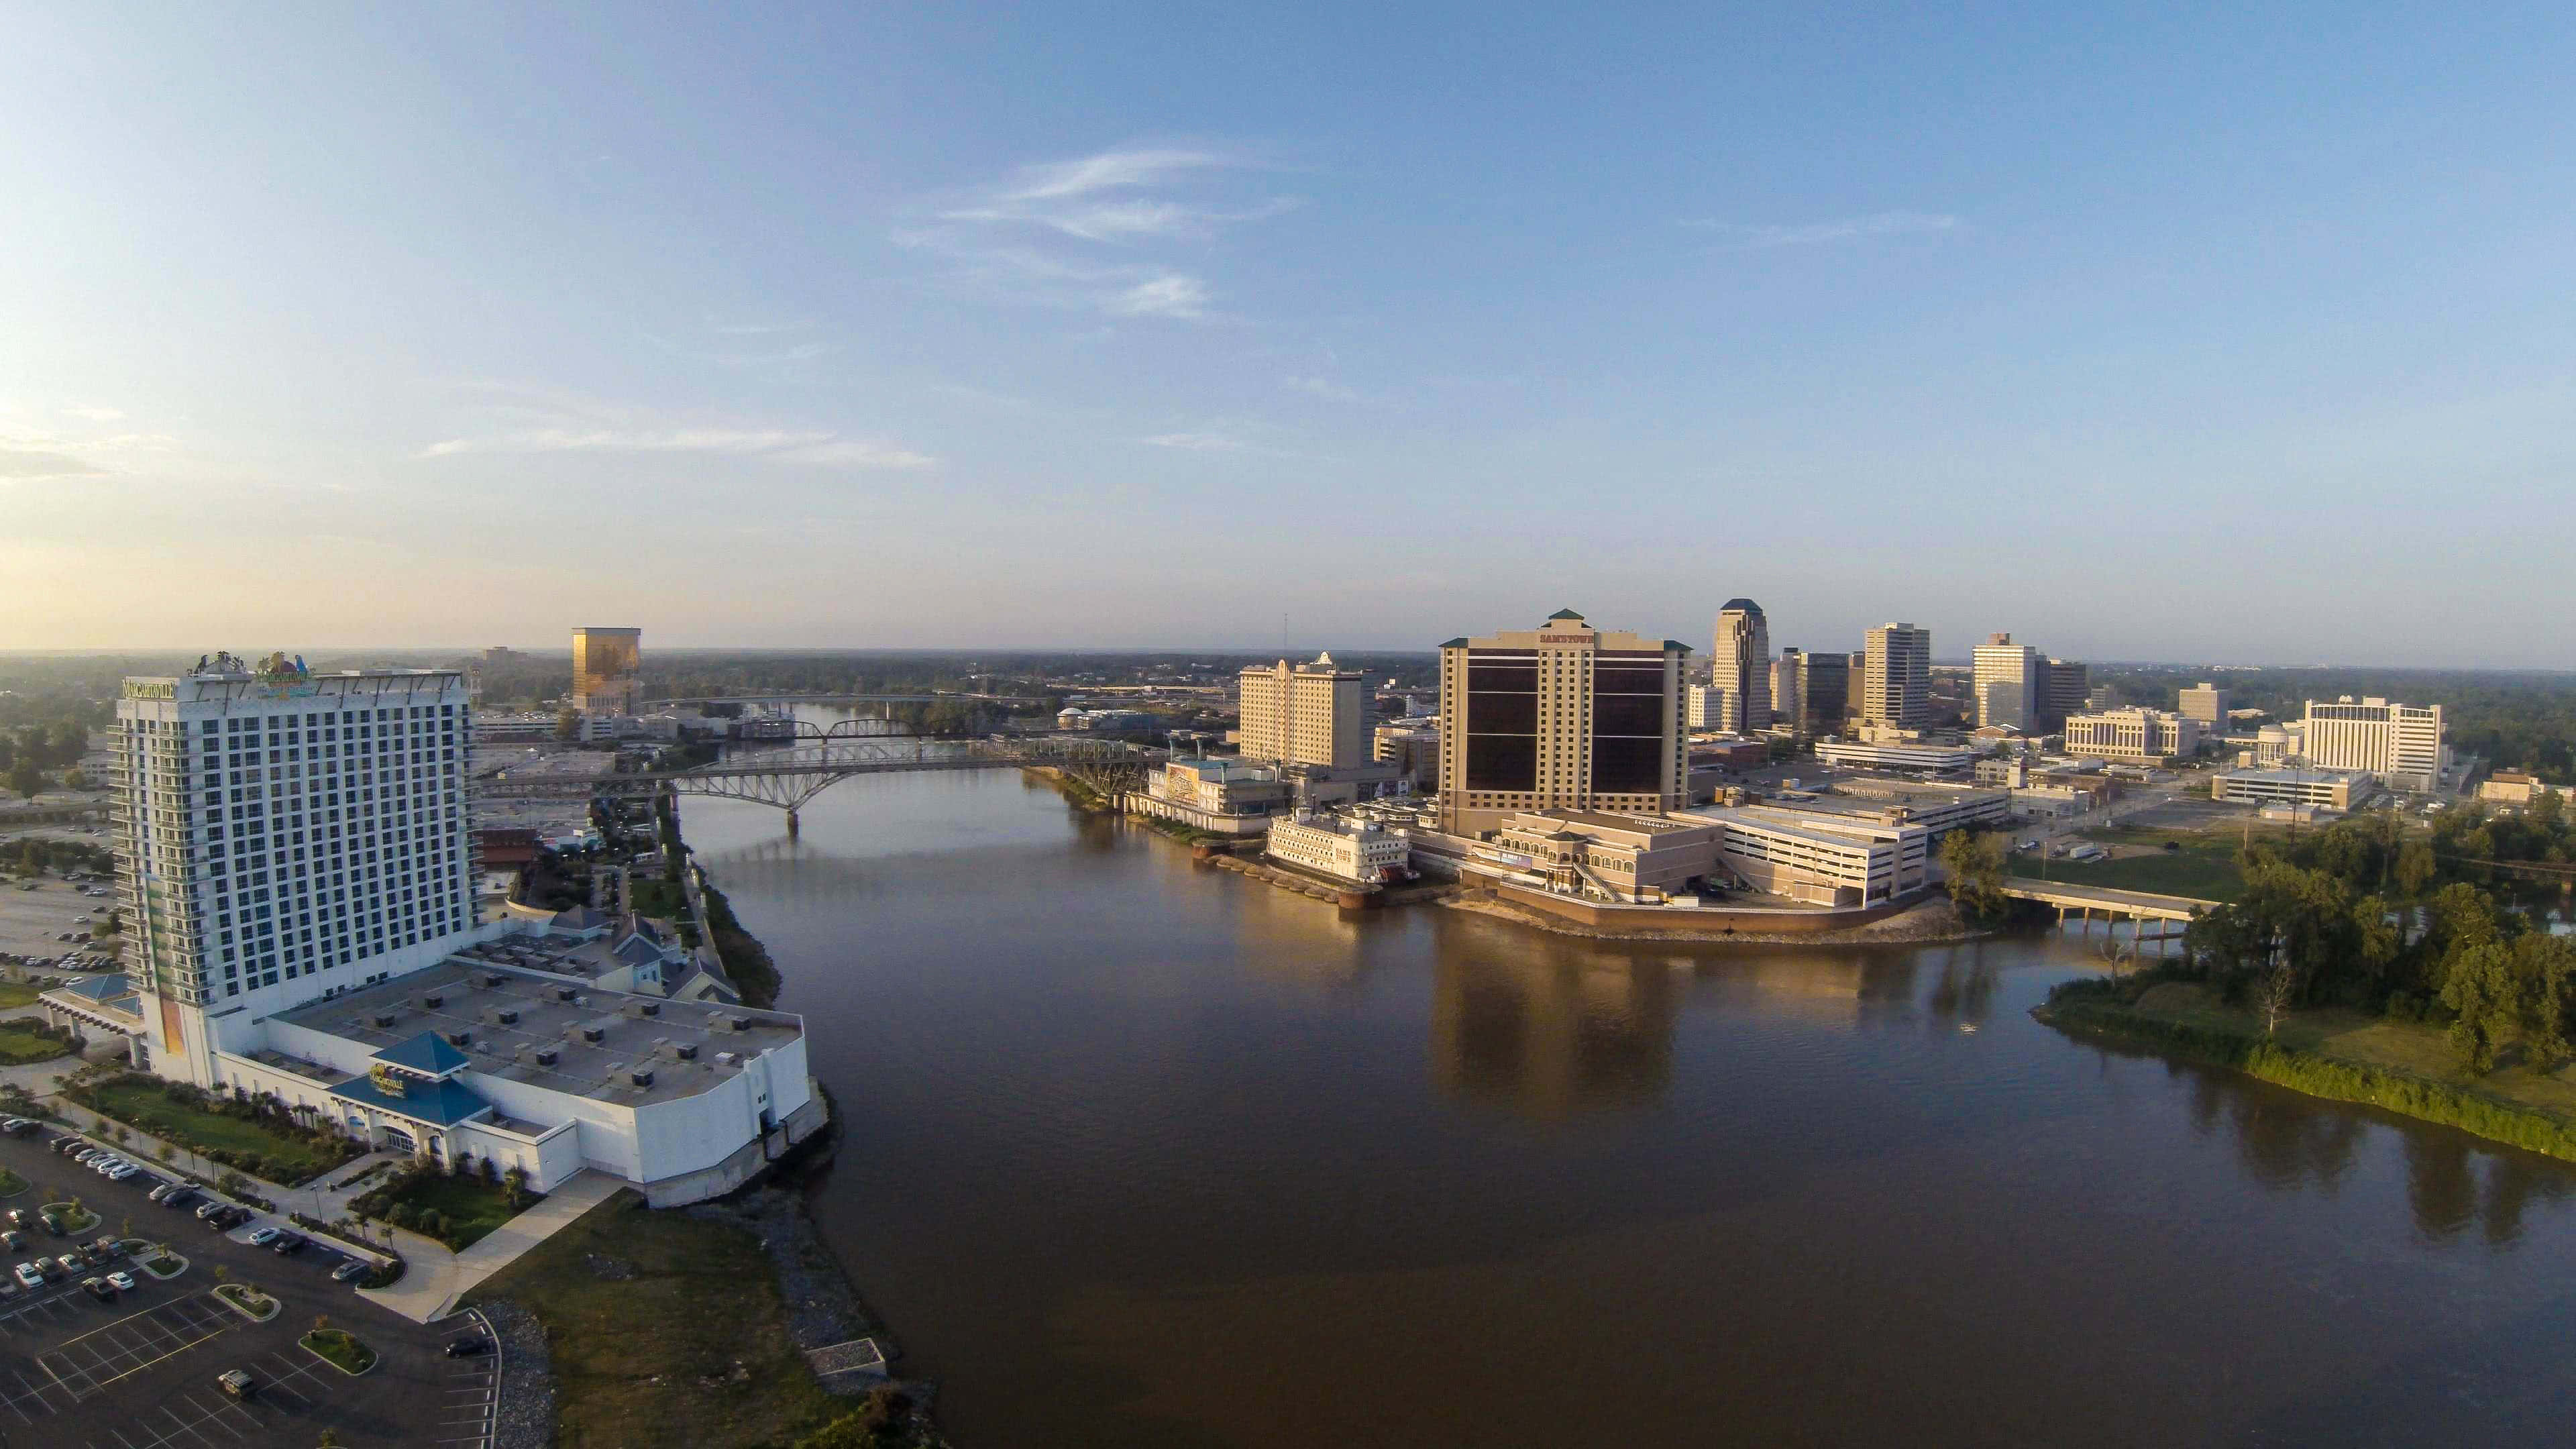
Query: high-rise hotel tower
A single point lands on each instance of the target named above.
(282, 836)
(1564, 716)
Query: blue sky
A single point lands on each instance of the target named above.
(2139, 334)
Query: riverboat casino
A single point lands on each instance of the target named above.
(297, 870)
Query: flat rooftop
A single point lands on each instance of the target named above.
(471, 995)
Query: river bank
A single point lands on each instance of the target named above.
(2176, 1019)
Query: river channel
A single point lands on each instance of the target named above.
(1145, 1154)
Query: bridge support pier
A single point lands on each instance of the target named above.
(791, 825)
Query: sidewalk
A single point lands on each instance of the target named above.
(429, 1288)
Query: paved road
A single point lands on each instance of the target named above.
(139, 1372)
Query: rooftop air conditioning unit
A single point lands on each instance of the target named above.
(432, 1001)
(458, 1038)
(487, 979)
(383, 1018)
(641, 1076)
(593, 1034)
(730, 1059)
(502, 1015)
(548, 1056)
(564, 993)
(686, 1051)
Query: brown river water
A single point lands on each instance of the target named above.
(1142, 1153)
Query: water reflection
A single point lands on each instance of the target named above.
(1549, 1038)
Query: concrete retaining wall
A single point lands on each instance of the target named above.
(1752, 921)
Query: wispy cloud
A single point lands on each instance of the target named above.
(21, 463)
(1743, 237)
(1170, 295)
(95, 414)
(1077, 233)
(1322, 388)
(759, 329)
(818, 449)
(1196, 442)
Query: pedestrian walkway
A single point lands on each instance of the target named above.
(429, 1288)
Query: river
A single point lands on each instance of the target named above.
(1146, 1154)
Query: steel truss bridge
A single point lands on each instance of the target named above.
(790, 776)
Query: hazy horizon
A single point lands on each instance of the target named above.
(2137, 334)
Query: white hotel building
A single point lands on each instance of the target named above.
(297, 865)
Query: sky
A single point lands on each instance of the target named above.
(2242, 337)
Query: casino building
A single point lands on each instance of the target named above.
(1561, 717)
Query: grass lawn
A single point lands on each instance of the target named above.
(651, 895)
(18, 993)
(471, 1206)
(650, 1360)
(19, 1046)
(2353, 1036)
(342, 1348)
(141, 1105)
(2205, 868)
(11, 1184)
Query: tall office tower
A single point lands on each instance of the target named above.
(282, 835)
(2405, 745)
(2206, 703)
(2007, 683)
(1740, 667)
(604, 664)
(2062, 692)
(1788, 690)
(1304, 714)
(1564, 716)
(1824, 688)
(1896, 687)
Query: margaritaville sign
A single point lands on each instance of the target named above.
(386, 1080)
(151, 689)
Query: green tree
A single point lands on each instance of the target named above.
(2478, 986)
(25, 778)
(2416, 869)
(568, 725)
(1973, 860)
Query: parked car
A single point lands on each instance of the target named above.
(97, 1288)
(17, 1126)
(468, 1346)
(288, 1244)
(211, 1208)
(121, 1281)
(230, 1218)
(350, 1271)
(236, 1384)
(30, 1276)
(161, 1193)
(74, 1261)
(123, 1170)
(262, 1237)
(184, 1196)
(14, 1240)
(21, 1218)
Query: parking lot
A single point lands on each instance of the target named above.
(139, 1371)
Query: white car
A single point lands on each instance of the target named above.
(122, 1282)
(121, 1171)
(88, 1155)
(29, 1276)
(261, 1237)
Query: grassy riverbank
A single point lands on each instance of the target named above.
(2345, 1056)
(2205, 867)
(745, 959)
(663, 1329)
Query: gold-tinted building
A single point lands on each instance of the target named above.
(604, 667)
(1304, 714)
(1562, 717)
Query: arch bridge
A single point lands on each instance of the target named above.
(789, 777)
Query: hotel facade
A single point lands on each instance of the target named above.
(299, 879)
(1564, 716)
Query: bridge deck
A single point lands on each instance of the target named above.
(2146, 904)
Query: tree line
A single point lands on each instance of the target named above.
(2442, 929)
